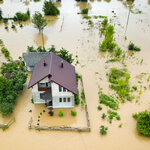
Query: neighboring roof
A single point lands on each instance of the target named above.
(64, 76)
(31, 58)
(7, 76)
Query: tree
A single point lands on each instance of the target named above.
(38, 21)
(8, 67)
(6, 109)
(50, 9)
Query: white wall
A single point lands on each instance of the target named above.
(55, 96)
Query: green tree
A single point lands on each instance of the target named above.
(39, 21)
(50, 9)
(8, 67)
(6, 109)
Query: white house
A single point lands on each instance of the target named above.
(53, 82)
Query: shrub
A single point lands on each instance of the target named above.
(5, 51)
(13, 26)
(118, 52)
(99, 107)
(104, 116)
(134, 87)
(103, 130)
(60, 114)
(82, 95)
(77, 99)
(132, 47)
(143, 122)
(50, 9)
(82, 103)
(43, 110)
(30, 110)
(22, 16)
(3, 128)
(73, 113)
(84, 11)
(32, 101)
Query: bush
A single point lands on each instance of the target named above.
(84, 11)
(60, 114)
(132, 47)
(103, 130)
(82, 95)
(77, 99)
(99, 107)
(118, 52)
(143, 122)
(5, 51)
(50, 9)
(22, 16)
(104, 116)
(13, 26)
(73, 113)
(82, 103)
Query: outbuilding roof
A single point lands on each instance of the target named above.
(31, 58)
(57, 70)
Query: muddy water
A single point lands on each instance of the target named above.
(69, 32)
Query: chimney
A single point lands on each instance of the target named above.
(44, 63)
(62, 65)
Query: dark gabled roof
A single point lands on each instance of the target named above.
(31, 58)
(64, 76)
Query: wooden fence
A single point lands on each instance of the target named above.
(8, 124)
(64, 128)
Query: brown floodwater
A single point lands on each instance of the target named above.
(69, 30)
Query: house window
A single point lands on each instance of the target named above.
(41, 84)
(64, 99)
(64, 89)
(60, 100)
(60, 89)
(68, 100)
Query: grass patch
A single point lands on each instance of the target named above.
(108, 101)
(119, 79)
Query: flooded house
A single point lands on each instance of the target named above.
(31, 58)
(53, 82)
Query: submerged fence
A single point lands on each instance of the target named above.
(6, 126)
(64, 128)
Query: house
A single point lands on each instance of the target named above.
(31, 58)
(53, 82)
